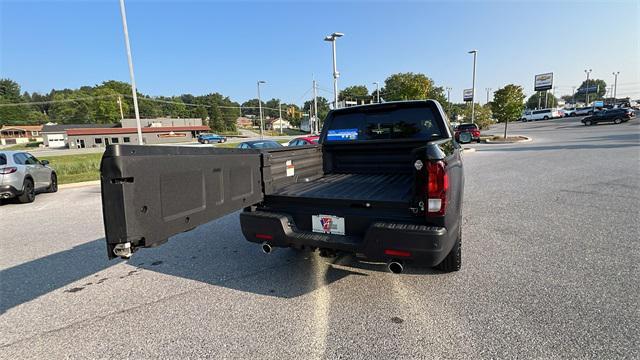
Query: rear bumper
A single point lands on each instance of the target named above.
(425, 245)
(8, 191)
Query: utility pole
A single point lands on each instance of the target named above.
(573, 94)
(488, 89)
(280, 114)
(473, 94)
(315, 108)
(133, 79)
(587, 89)
(260, 109)
(120, 104)
(615, 86)
(332, 38)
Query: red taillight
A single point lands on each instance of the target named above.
(8, 170)
(398, 253)
(438, 184)
(264, 236)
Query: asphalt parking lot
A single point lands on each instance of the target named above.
(550, 270)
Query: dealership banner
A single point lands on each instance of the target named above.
(467, 95)
(543, 82)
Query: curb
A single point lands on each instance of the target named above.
(468, 150)
(526, 139)
(79, 184)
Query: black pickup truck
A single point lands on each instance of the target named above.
(385, 183)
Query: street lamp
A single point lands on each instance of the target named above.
(473, 94)
(134, 92)
(587, 90)
(332, 38)
(488, 90)
(377, 91)
(260, 108)
(615, 87)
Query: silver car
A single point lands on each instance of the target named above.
(22, 176)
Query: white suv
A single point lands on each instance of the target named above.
(542, 114)
(22, 176)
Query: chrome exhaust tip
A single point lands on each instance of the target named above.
(395, 267)
(266, 248)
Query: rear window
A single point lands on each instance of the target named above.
(3, 159)
(468, 127)
(394, 123)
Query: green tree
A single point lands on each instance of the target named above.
(596, 89)
(407, 86)
(216, 121)
(323, 107)
(508, 103)
(551, 101)
(483, 115)
(356, 92)
(105, 107)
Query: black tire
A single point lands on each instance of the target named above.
(545, 118)
(588, 123)
(53, 186)
(28, 192)
(478, 141)
(617, 121)
(453, 261)
(205, 141)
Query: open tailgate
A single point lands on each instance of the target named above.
(150, 193)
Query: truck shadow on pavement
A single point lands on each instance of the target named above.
(214, 253)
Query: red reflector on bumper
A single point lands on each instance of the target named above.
(400, 253)
(264, 236)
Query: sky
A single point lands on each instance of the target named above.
(200, 47)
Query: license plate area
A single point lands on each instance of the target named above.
(327, 224)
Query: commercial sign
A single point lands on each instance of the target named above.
(543, 82)
(591, 90)
(467, 95)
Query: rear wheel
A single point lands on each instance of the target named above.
(588, 123)
(53, 186)
(617, 121)
(205, 141)
(453, 261)
(545, 118)
(28, 192)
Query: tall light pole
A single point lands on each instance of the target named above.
(377, 92)
(573, 94)
(280, 114)
(332, 38)
(120, 105)
(587, 89)
(313, 125)
(133, 79)
(488, 90)
(260, 109)
(473, 94)
(615, 86)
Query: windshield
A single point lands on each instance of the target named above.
(403, 123)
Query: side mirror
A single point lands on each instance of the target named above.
(44, 162)
(464, 138)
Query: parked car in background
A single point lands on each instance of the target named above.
(472, 129)
(617, 116)
(22, 176)
(260, 144)
(211, 138)
(542, 114)
(302, 141)
(569, 112)
(587, 110)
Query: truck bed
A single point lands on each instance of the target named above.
(361, 187)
